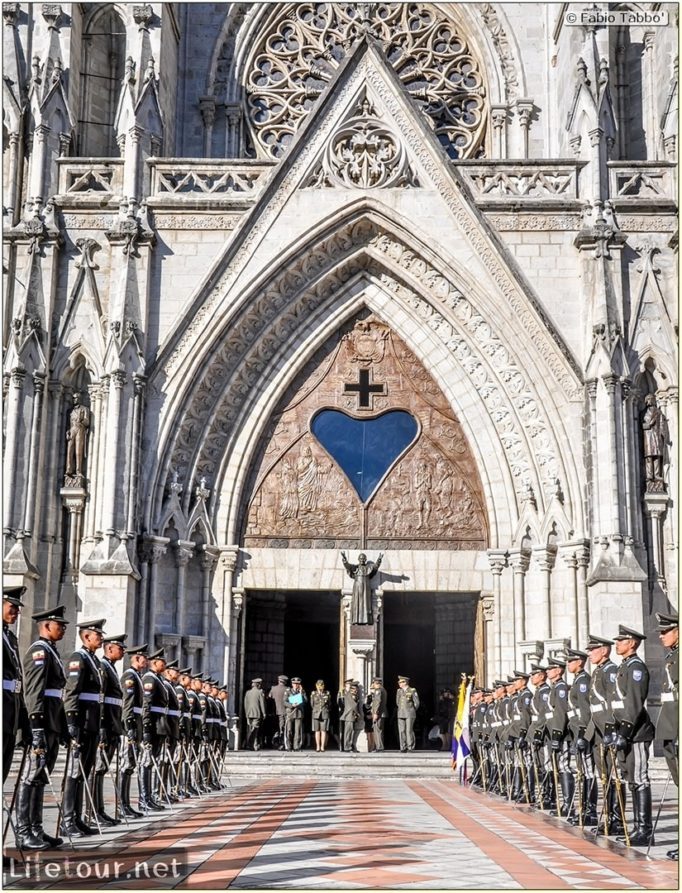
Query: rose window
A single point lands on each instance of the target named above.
(304, 46)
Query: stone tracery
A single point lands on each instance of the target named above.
(294, 61)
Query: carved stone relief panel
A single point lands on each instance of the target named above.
(304, 492)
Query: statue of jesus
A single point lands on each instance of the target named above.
(361, 573)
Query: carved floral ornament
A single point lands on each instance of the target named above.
(303, 47)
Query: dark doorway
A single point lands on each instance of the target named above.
(429, 638)
(311, 638)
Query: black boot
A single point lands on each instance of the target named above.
(673, 854)
(516, 793)
(643, 831)
(126, 809)
(85, 829)
(589, 806)
(147, 802)
(98, 797)
(37, 797)
(68, 826)
(615, 825)
(26, 839)
(567, 795)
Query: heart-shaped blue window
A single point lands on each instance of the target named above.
(365, 448)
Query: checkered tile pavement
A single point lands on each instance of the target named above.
(354, 834)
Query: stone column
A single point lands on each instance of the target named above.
(524, 109)
(649, 97)
(209, 559)
(12, 180)
(207, 109)
(51, 508)
(655, 507)
(184, 552)
(378, 609)
(498, 562)
(103, 439)
(499, 115)
(545, 559)
(228, 563)
(95, 393)
(32, 462)
(233, 117)
(612, 385)
(158, 546)
(488, 612)
(16, 388)
(583, 559)
(591, 386)
(111, 465)
(238, 615)
(37, 159)
(570, 560)
(519, 560)
(134, 452)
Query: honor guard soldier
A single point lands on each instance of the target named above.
(522, 718)
(254, 710)
(602, 693)
(154, 730)
(498, 776)
(202, 748)
(407, 703)
(537, 732)
(213, 731)
(486, 740)
(112, 720)
(168, 772)
(13, 710)
(44, 682)
(133, 697)
(83, 699)
(633, 731)
(185, 706)
(215, 705)
(197, 780)
(667, 728)
(294, 704)
(581, 732)
(557, 732)
(477, 713)
(379, 708)
(320, 700)
(222, 704)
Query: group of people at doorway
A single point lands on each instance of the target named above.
(298, 714)
(574, 749)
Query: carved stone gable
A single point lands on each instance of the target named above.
(430, 496)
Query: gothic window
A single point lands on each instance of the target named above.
(292, 63)
(102, 70)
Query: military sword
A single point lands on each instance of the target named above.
(658, 813)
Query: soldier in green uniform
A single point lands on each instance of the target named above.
(131, 685)
(378, 699)
(407, 703)
(44, 682)
(667, 727)
(254, 710)
(13, 709)
(294, 705)
(601, 694)
(320, 701)
(633, 730)
(83, 699)
(111, 722)
(581, 732)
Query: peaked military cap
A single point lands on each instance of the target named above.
(624, 632)
(116, 640)
(521, 674)
(403, 678)
(223, 688)
(667, 622)
(319, 682)
(186, 671)
(282, 678)
(256, 681)
(138, 649)
(574, 654)
(345, 681)
(511, 679)
(94, 626)
(596, 642)
(158, 655)
(296, 679)
(498, 683)
(556, 661)
(172, 664)
(51, 614)
(12, 594)
(537, 668)
(377, 679)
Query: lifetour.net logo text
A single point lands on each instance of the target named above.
(92, 869)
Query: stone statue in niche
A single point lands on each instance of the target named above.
(310, 480)
(361, 573)
(76, 443)
(656, 443)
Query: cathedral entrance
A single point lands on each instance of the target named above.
(430, 638)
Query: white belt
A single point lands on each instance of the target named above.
(212, 719)
(549, 715)
(186, 714)
(89, 696)
(159, 709)
(137, 710)
(174, 713)
(570, 714)
(668, 696)
(618, 705)
(53, 693)
(223, 722)
(196, 717)
(596, 708)
(116, 702)
(11, 685)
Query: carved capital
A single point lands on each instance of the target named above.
(119, 379)
(595, 136)
(209, 557)
(87, 249)
(207, 108)
(228, 558)
(10, 11)
(184, 552)
(610, 382)
(498, 561)
(142, 15)
(524, 109)
(139, 384)
(38, 382)
(519, 561)
(153, 548)
(499, 115)
(488, 606)
(17, 377)
(591, 387)
(52, 13)
(545, 558)
(237, 602)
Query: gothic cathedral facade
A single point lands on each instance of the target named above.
(283, 280)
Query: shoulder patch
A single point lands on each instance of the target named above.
(545, 697)
(583, 687)
(38, 655)
(562, 692)
(637, 675)
(612, 677)
(148, 686)
(74, 665)
(128, 682)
